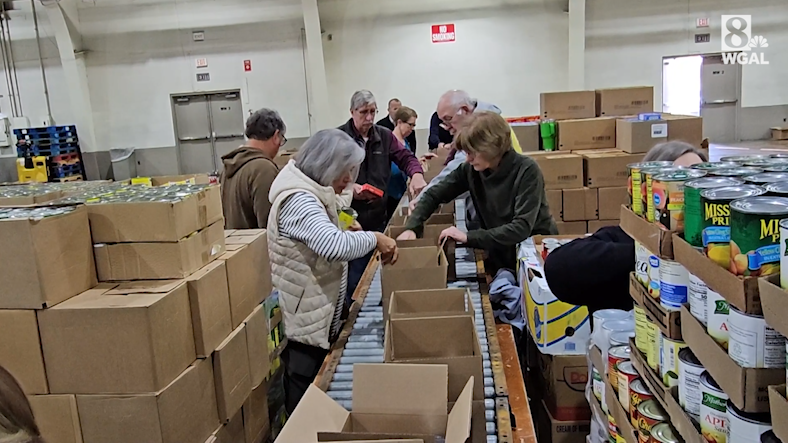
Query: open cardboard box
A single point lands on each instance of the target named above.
(774, 301)
(668, 321)
(779, 411)
(653, 237)
(740, 292)
(746, 387)
(448, 341)
(650, 377)
(417, 268)
(621, 416)
(389, 401)
(430, 237)
(430, 303)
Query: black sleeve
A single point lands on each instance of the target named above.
(435, 127)
(593, 271)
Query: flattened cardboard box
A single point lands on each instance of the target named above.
(625, 101)
(746, 387)
(580, 204)
(590, 133)
(152, 261)
(610, 201)
(57, 418)
(567, 105)
(21, 354)
(210, 307)
(560, 171)
(184, 411)
(603, 170)
(430, 303)
(231, 374)
(248, 272)
(44, 262)
(416, 268)
(129, 338)
(256, 326)
(389, 401)
(155, 221)
(448, 341)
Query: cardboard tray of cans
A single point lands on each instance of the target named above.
(669, 322)
(666, 397)
(655, 238)
(779, 411)
(621, 416)
(740, 292)
(774, 301)
(746, 387)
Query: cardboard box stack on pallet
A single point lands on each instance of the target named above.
(598, 134)
(433, 361)
(557, 366)
(168, 344)
(709, 343)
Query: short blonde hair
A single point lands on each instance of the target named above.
(486, 133)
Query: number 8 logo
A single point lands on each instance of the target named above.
(736, 31)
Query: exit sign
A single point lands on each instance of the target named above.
(204, 77)
(702, 38)
(443, 33)
(702, 23)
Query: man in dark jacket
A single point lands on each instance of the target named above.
(382, 149)
(389, 122)
(250, 170)
(440, 137)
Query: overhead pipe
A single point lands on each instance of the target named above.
(41, 61)
(13, 64)
(6, 68)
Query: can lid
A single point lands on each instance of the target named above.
(752, 417)
(705, 378)
(626, 367)
(638, 386)
(779, 187)
(742, 158)
(761, 205)
(737, 172)
(620, 352)
(621, 338)
(663, 433)
(732, 192)
(687, 356)
(767, 177)
(761, 162)
(713, 182)
(680, 175)
(651, 409)
(642, 165)
(776, 168)
(715, 165)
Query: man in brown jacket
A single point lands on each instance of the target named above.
(250, 170)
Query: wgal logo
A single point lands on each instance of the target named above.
(738, 43)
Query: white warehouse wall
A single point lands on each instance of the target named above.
(505, 52)
(627, 39)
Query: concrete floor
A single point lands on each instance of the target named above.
(765, 147)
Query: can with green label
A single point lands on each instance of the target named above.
(741, 171)
(636, 186)
(766, 178)
(715, 226)
(668, 194)
(755, 235)
(693, 214)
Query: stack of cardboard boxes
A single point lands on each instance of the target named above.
(598, 134)
(168, 344)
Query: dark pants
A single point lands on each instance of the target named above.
(391, 207)
(301, 365)
(355, 270)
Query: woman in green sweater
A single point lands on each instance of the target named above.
(507, 191)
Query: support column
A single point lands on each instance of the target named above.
(316, 68)
(577, 45)
(65, 23)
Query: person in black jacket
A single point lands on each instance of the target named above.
(390, 121)
(594, 271)
(440, 137)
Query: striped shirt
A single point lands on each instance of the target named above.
(303, 218)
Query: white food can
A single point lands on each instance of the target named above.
(673, 283)
(669, 360)
(697, 298)
(753, 343)
(653, 276)
(717, 317)
(746, 427)
(690, 370)
(598, 385)
(641, 264)
(713, 410)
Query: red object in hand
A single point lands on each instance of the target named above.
(372, 190)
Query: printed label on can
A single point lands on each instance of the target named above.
(649, 198)
(689, 387)
(753, 343)
(635, 399)
(669, 360)
(714, 417)
(783, 255)
(641, 329)
(641, 264)
(697, 298)
(717, 317)
(755, 249)
(669, 204)
(653, 276)
(635, 197)
(652, 357)
(717, 231)
(693, 219)
(598, 385)
(673, 282)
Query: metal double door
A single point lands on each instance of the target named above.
(720, 93)
(207, 126)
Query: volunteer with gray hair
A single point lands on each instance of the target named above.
(249, 171)
(381, 148)
(310, 253)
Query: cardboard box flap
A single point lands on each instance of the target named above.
(145, 287)
(315, 412)
(458, 429)
(400, 389)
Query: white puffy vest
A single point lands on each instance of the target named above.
(308, 284)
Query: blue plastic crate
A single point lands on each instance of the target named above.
(46, 130)
(60, 171)
(48, 150)
(47, 137)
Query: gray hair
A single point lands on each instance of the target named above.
(457, 98)
(263, 124)
(670, 151)
(362, 98)
(327, 155)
